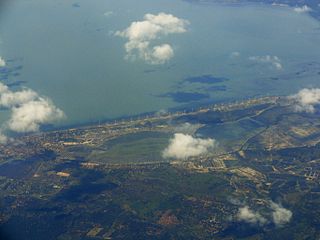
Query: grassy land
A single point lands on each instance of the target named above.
(133, 148)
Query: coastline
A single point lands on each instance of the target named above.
(193, 109)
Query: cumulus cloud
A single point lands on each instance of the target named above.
(108, 14)
(306, 100)
(9, 99)
(2, 62)
(273, 60)
(280, 214)
(3, 138)
(161, 53)
(302, 9)
(140, 35)
(247, 215)
(182, 146)
(235, 54)
(28, 109)
(28, 116)
(279, 4)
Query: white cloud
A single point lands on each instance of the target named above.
(273, 60)
(2, 62)
(9, 99)
(28, 116)
(302, 9)
(306, 100)
(247, 215)
(235, 54)
(3, 138)
(279, 4)
(3, 88)
(280, 214)
(161, 54)
(182, 146)
(28, 109)
(140, 35)
(108, 14)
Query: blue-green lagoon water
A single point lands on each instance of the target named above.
(67, 51)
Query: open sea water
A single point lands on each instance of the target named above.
(67, 50)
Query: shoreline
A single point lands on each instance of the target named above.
(195, 108)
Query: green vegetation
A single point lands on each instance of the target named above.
(112, 182)
(136, 148)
